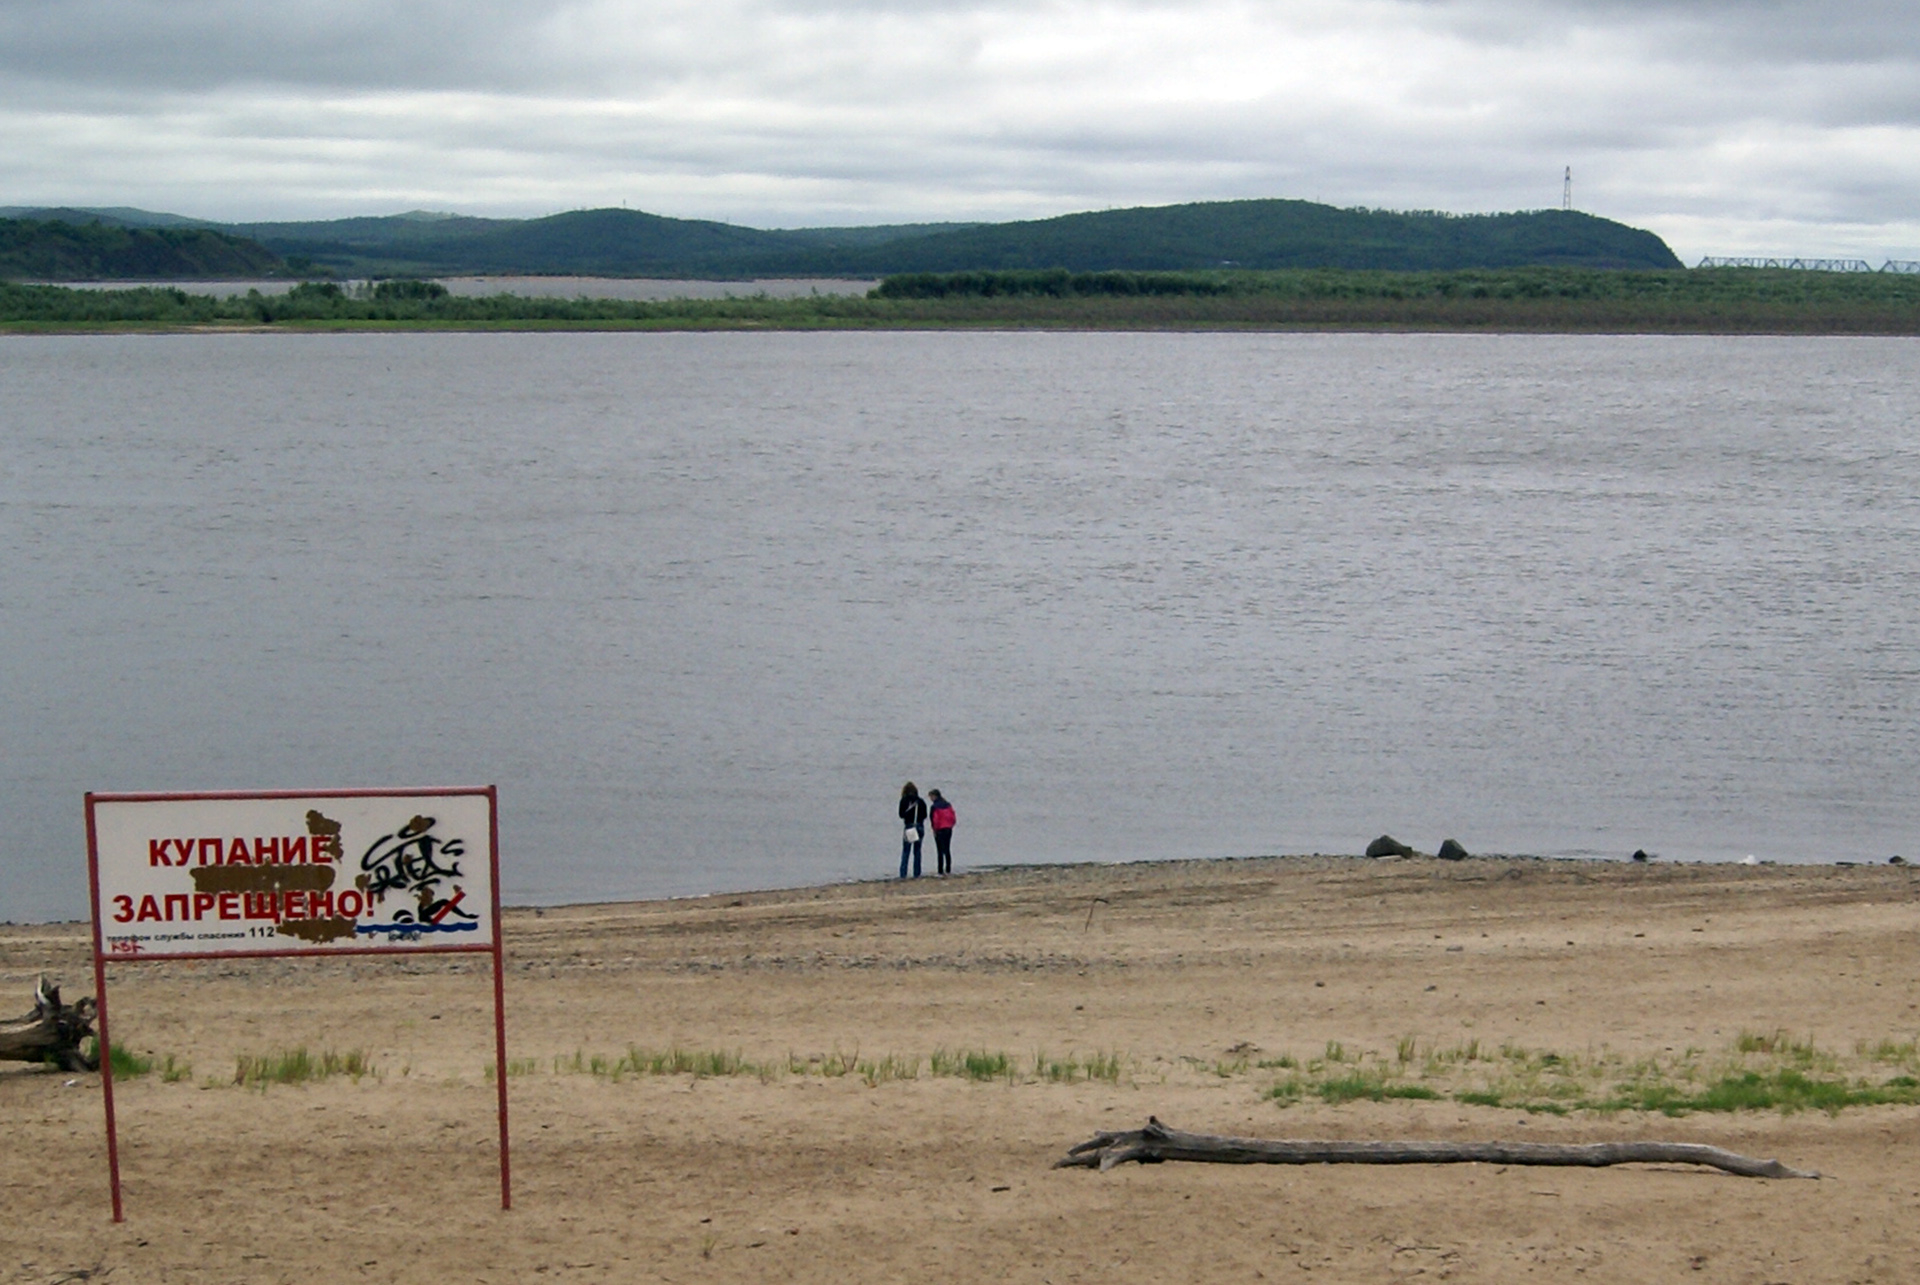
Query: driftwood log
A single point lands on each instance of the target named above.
(1157, 1142)
(51, 1032)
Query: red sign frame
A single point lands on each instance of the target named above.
(101, 956)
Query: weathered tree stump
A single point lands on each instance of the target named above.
(52, 1032)
(1157, 1142)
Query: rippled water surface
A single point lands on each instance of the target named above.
(699, 603)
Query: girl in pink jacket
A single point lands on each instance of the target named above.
(941, 819)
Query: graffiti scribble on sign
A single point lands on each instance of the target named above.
(416, 863)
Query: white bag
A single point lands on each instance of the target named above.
(912, 834)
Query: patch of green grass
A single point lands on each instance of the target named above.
(126, 1063)
(975, 1064)
(1757, 1072)
(1903, 1053)
(298, 1066)
(1468, 1052)
(1786, 1090)
(1372, 1086)
(1067, 1070)
(969, 1064)
(986, 1066)
(881, 1070)
(827, 1065)
(1783, 1046)
(638, 1061)
(1055, 1070)
(1494, 1098)
(1286, 1092)
(700, 1064)
(582, 1064)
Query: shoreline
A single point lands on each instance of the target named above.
(1142, 865)
(1756, 329)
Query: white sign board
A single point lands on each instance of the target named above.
(288, 872)
(285, 873)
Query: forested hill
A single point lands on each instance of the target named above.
(614, 243)
(56, 250)
(1276, 234)
(1245, 234)
(1265, 234)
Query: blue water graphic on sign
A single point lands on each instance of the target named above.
(414, 930)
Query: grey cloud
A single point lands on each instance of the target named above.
(1738, 31)
(622, 46)
(1713, 117)
(351, 44)
(578, 45)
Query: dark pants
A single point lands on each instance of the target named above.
(943, 845)
(909, 846)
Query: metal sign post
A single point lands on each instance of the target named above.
(224, 875)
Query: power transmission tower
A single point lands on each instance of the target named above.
(1566, 190)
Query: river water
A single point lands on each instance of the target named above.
(699, 603)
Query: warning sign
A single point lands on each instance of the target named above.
(327, 872)
(274, 874)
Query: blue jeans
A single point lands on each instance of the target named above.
(909, 846)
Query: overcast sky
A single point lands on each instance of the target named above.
(1728, 128)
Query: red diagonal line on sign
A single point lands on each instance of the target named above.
(459, 895)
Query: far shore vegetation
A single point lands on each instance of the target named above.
(1564, 300)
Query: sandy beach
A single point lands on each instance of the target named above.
(872, 1082)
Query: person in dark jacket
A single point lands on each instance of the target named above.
(913, 821)
(941, 817)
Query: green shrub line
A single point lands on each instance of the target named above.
(1708, 300)
(1743, 287)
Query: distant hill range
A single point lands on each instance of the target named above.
(629, 243)
(77, 248)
